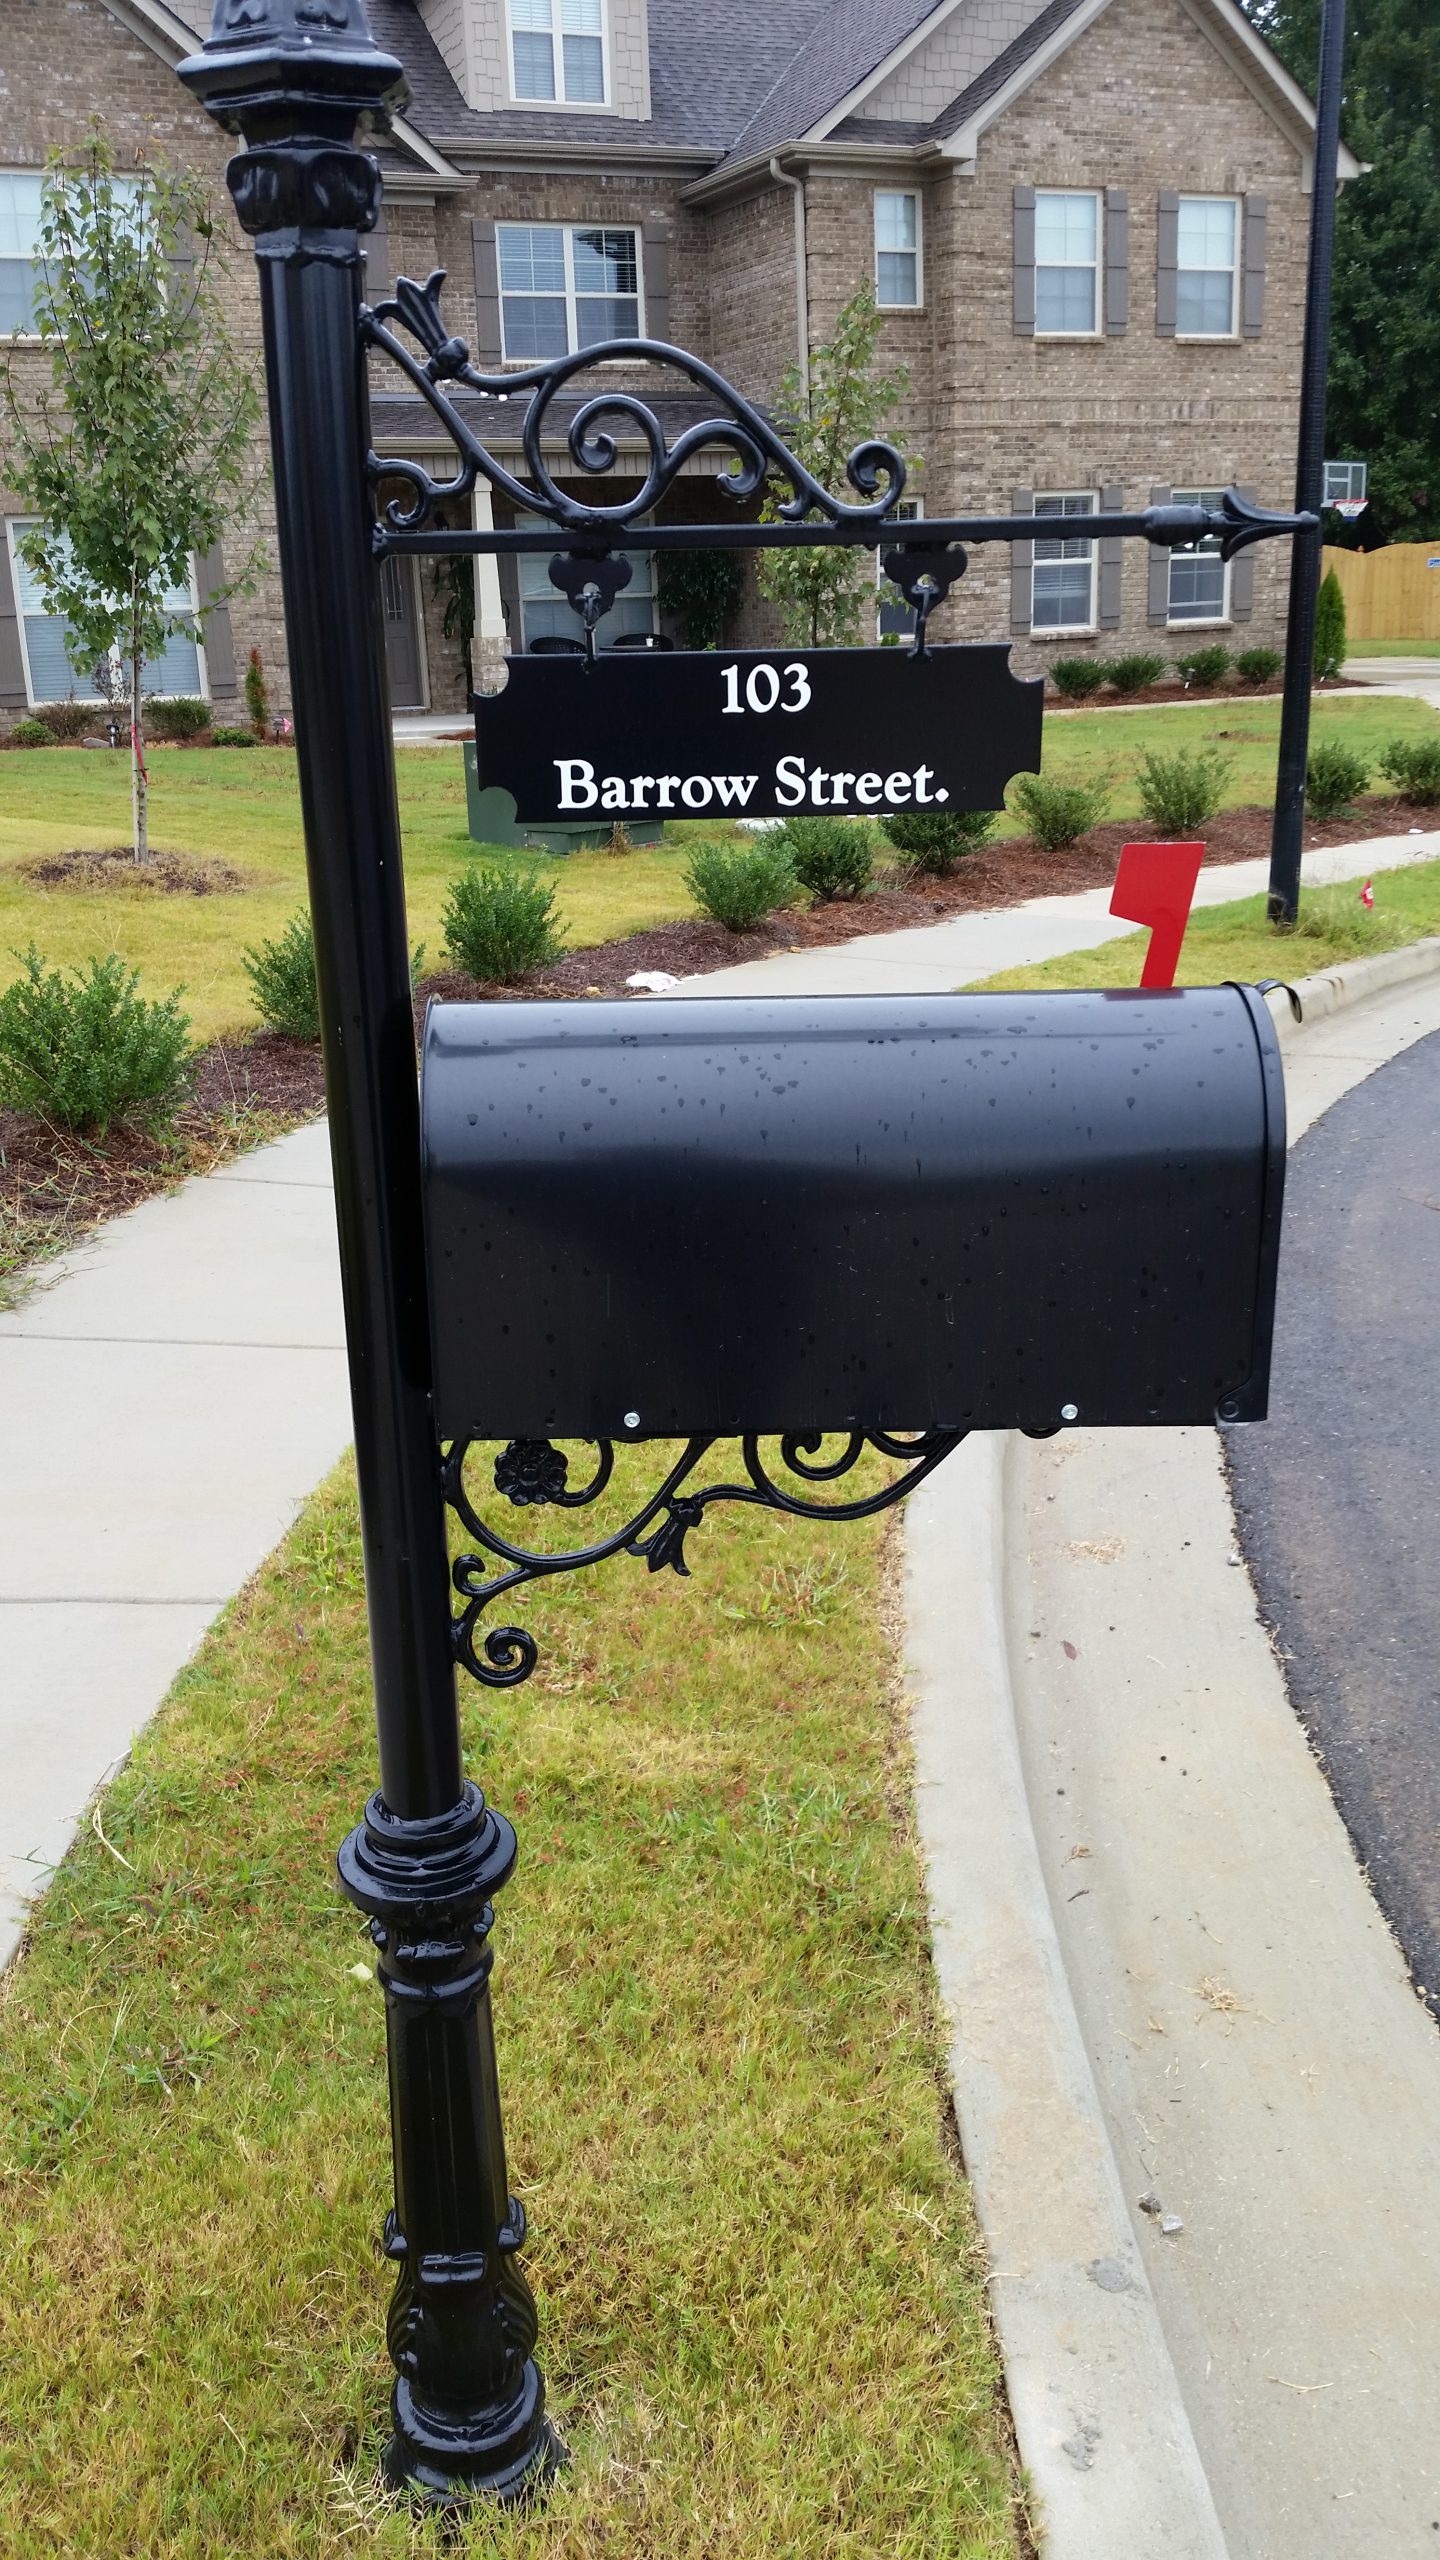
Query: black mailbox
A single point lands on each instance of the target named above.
(801, 1214)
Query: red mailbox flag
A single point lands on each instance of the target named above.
(1155, 885)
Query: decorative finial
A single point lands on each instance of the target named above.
(274, 70)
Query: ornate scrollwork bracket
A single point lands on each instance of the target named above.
(924, 573)
(531, 1474)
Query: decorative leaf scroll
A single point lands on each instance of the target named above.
(533, 1473)
(875, 470)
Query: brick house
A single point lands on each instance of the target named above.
(1085, 220)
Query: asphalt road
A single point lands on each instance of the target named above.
(1338, 1495)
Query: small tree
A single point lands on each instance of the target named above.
(133, 457)
(820, 593)
(1329, 626)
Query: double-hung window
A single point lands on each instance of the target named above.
(1062, 593)
(1199, 578)
(897, 250)
(1067, 264)
(46, 639)
(1206, 242)
(557, 50)
(19, 249)
(561, 289)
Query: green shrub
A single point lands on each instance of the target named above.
(227, 737)
(1257, 666)
(499, 924)
(32, 733)
(1133, 674)
(831, 857)
(1413, 765)
(257, 693)
(67, 720)
(1202, 668)
(739, 885)
(1180, 791)
(936, 841)
(1059, 813)
(176, 715)
(282, 974)
(85, 1050)
(1077, 678)
(1334, 776)
(1329, 652)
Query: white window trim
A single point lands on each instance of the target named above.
(560, 104)
(1204, 621)
(1074, 337)
(523, 363)
(1214, 337)
(915, 197)
(1067, 630)
(33, 699)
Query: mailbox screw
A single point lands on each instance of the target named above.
(1069, 1413)
(632, 1421)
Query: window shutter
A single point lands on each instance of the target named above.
(1157, 602)
(1117, 261)
(1252, 271)
(1024, 272)
(655, 252)
(1167, 260)
(378, 278)
(12, 662)
(215, 627)
(1022, 562)
(1242, 576)
(489, 351)
(1112, 552)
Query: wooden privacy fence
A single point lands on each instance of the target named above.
(1392, 594)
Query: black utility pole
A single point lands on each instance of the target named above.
(1289, 826)
(298, 79)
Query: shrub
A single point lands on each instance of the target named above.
(1413, 765)
(85, 1050)
(1329, 653)
(1180, 791)
(1059, 813)
(831, 857)
(227, 737)
(936, 841)
(178, 715)
(257, 694)
(282, 974)
(1203, 667)
(499, 924)
(1133, 674)
(1077, 678)
(1334, 776)
(66, 720)
(1257, 666)
(740, 884)
(32, 733)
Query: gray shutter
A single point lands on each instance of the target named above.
(215, 627)
(378, 278)
(1167, 260)
(1117, 261)
(1112, 552)
(1242, 576)
(12, 662)
(1024, 270)
(1022, 562)
(655, 252)
(1252, 267)
(1157, 602)
(488, 346)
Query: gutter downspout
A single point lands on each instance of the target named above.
(783, 178)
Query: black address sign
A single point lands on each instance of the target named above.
(756, 733)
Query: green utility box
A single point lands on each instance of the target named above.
(492, 821)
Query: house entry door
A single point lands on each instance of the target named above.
(403, 655)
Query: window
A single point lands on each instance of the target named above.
(1067, 260)
(1199, 578)
(894, 618)
(897, 251)
(562, 289)
(580, 27)
(547, 615)
(49, 675)
(1062, 594)
(1206, 236)
(1345, 483)
(19, 255)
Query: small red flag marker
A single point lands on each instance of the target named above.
(1367, 896)
(1155, 885)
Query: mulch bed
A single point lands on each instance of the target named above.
(113, 866)
(1214, 694)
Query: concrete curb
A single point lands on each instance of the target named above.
(1100, 2412)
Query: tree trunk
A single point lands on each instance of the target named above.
(139, 779)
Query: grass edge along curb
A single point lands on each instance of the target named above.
(763, 2298)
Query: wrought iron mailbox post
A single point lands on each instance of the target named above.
(298, 79)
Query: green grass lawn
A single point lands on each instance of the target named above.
(1394, 649)
(1237, 940)
(762, 2296)
(242, 805)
